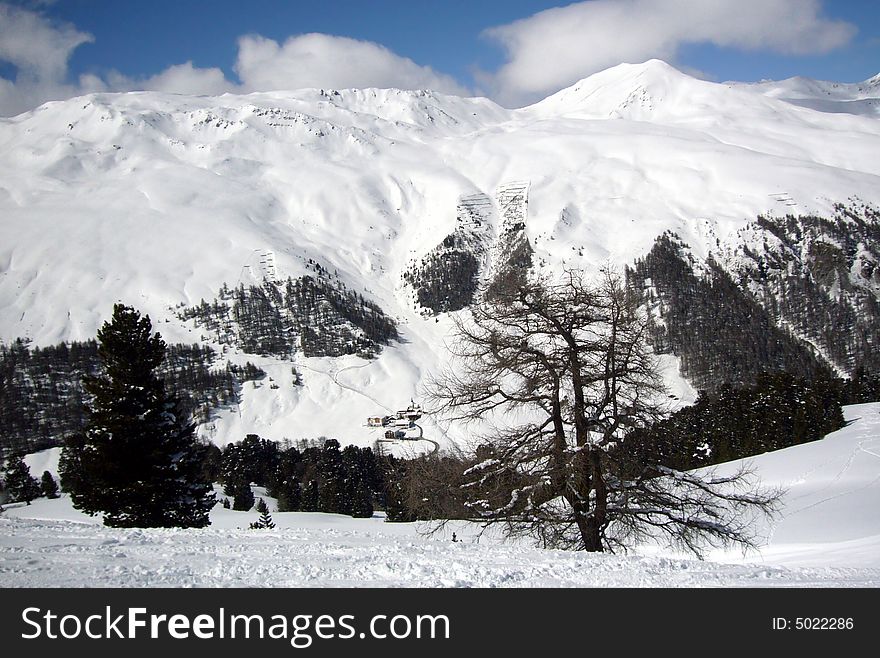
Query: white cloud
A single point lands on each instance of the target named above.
(545, 52)
(187, 79)
(557, 47)
(321, 60)
(177, 79)
(39, 50)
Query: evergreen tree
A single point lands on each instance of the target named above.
(48, 485)
(242, 494)
(361, 506)
(395, 493)
(863, 387)
(289, 495)
(70, 470)
(138, 462)
(265, 522)
(331, 492)
(20, 484)
(211, 465)
(358, 489)
(253, 460)
(309, 499)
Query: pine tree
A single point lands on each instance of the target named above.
(21, 486)
(358, 494)
(331, 493)
(395, 494)
(289, 495)
(362, 501)
(48, 485)
(309, 500)
(242, 494)
(138, 462)
(265, 522)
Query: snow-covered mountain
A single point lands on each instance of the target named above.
(852, 98)
(159, 200)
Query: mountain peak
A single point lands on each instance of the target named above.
(631, 91)
(650, 71)
(653, 64)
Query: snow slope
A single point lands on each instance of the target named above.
(828, 534)
(861, 98)
(829, 513)
(157, 200)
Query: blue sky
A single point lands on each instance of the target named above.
(514, 51)
(430, 32)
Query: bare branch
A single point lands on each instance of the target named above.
(572, 358)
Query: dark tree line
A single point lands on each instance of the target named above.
(820, 275)
(324, 477)
(42, 398)
(308, 478)
(316, 315)
(514, 260)
(41, 393)
(778, 411)
(862, 387)
(334, 321)
(446, 278)
(427, 488)
(721, 334)
(799, 295)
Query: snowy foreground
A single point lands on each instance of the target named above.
(827, 535)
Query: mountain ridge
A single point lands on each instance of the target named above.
(159, 200)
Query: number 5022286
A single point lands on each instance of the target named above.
(814, 624)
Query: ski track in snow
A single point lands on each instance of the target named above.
(65, 554)
(839, 477)
(333, 375)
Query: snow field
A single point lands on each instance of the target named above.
(828, 535)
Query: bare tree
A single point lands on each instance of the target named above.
(567, 367)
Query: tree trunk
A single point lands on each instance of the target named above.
(593, 521)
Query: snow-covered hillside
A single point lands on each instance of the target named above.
(854, 98)
(157, 200)
(827, 535)
(832, 490)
